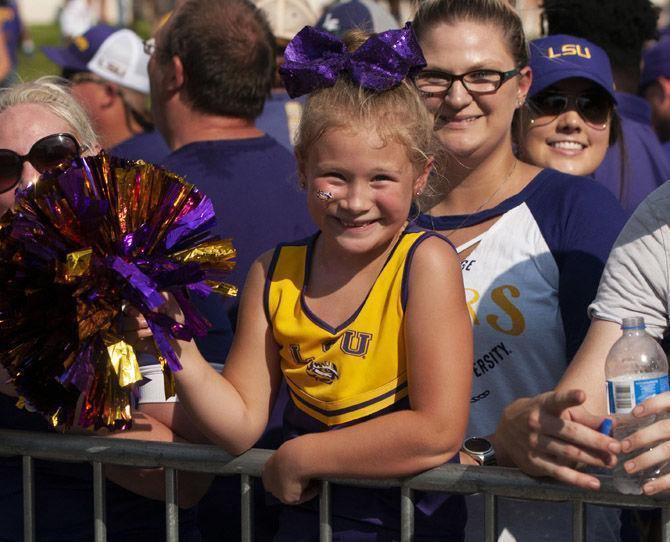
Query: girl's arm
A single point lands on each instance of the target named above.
(439, 349)
(232, 408)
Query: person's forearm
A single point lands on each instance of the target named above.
(394, 445)
(150, 483)
(587, 369)
(214, 404)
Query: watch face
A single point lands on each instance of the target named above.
(477, 445)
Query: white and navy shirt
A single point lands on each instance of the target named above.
(528, 282)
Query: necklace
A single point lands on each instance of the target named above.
(481, 206)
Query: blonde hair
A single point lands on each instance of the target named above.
(500, 13)
(398, 114)
(52, 93)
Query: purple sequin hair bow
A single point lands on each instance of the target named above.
(314, 59)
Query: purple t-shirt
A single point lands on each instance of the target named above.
(666, 148)
(147, 146)
(281, 116)
(254, 188)
(646, 164)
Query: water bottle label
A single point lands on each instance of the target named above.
(624, 395)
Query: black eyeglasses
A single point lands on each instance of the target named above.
(51, 153)
(594, 106)
(436, 83)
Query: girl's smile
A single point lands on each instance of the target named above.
(372, 183)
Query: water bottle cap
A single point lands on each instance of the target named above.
(633, 322)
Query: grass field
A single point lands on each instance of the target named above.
(36, 65)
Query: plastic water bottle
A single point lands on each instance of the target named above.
(636, 369)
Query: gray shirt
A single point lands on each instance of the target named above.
(635, 280)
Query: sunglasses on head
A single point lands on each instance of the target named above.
(593, 106)
(51, 153)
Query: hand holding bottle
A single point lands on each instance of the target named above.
(649, 447)
(636, 370)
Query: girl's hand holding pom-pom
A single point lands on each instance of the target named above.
(74, 247)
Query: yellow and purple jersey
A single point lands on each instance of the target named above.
(339, 375)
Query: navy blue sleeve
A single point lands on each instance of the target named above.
(580, 220)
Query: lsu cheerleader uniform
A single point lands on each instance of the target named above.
(338, 376)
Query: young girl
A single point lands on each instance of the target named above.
(365, 320)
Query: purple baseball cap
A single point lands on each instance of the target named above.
(559, 57)
(79, 53)
(364, 15)
(656, 63)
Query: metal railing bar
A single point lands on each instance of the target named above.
(171, 508)
(247, 505)
(406, 514)
(490, 517)
(99, 503)
(28, 499)
(325, 527)
(578, 521)
(500, 481)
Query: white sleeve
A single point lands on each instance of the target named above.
(635, 279)
(152, 389)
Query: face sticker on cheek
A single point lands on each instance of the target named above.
(327, 191)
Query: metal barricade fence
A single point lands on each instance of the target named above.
(493, 482)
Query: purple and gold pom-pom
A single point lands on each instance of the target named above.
(76, 248)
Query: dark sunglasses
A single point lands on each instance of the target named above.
(593, 106)
(51, 153)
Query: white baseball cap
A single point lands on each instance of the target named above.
(287, 17)
(121, 59)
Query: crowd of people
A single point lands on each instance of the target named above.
(440, 228)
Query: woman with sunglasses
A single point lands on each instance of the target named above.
(42, 128)
(569, 119)
(532, 241)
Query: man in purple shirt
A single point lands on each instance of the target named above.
(211, 69)
(108, 70)
(621, 29)
(655, 88)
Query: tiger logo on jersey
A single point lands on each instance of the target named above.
(323, 371)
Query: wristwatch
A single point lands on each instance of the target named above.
(480, 449)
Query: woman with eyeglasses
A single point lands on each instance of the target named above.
(532, 241)
(569, 119)
(42, 128)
